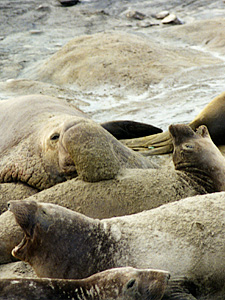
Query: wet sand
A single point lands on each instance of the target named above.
(32, 31)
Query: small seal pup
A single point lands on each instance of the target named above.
(114, 284)
(191, 147)
(184, 237)
(212, 116)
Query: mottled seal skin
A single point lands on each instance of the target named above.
(212, 116)
(115, 284)
(36, 147)
(184, 237)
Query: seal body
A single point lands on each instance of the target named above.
(114, 284)
(184, 237)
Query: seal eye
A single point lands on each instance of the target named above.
(130, 283)
(188, 147)
(54, 136)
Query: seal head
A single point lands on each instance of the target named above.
(124, 283)
(196, 154)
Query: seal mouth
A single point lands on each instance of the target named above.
(20, 246)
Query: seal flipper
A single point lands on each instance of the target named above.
(180, 289)
(129, 129)
(160, 143)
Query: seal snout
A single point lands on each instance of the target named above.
(180, 133)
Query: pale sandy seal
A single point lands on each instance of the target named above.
(185, 237)
(115, 284)
(212, 116)
(42, 136)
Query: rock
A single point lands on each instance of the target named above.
(171, 19)
(68, 2)
(161, 15)
(132, 14)
(146, 24)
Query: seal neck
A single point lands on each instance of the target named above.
(206, 181)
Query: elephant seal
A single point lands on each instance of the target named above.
(36, 147)
(212, 116)
(114, 284)
(184, 237)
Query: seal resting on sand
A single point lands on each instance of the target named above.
(42, 136)
(184, 237)
(212, 116)
(115, 284)
(132, 190)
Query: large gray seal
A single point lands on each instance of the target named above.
(212, 116)
(184, 237)
(42, 136)
(114, 284)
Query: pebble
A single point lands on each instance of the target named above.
(161, 15)
(132, 14)
(171, 19)
(43, 7)
(144, 24)
(36, 31)
(68, 2)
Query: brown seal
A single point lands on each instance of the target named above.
(115, 284)
(185, 237)
(212, 116)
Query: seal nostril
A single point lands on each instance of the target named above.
(8, 205)
(130, 283)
